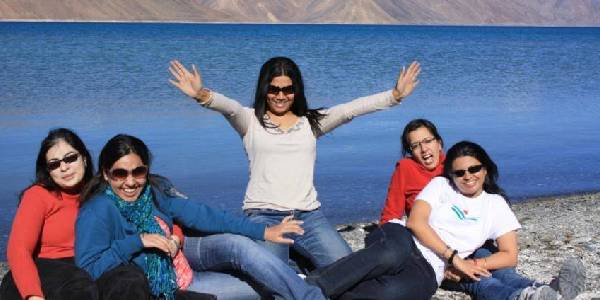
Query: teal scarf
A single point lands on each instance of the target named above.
(159, 266)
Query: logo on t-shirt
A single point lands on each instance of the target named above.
(462, 214)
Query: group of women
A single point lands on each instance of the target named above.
(119, 233)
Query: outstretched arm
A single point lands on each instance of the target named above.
(344, 113)
(190, 83)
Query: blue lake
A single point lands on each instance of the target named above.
(529, 95)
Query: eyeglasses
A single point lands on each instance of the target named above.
(471, 170)
(425, 141)
(122, 174)
(54, 164)
(287, 90)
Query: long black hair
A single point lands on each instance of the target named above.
(42, 175)
(414, 125)
(118, 146)
(467, 148)
(283, 66)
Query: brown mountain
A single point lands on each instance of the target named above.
(454, 12)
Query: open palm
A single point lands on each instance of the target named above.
(190, 83)
(407, 81)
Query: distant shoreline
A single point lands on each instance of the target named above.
(253, 23)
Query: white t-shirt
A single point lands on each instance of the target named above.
(463, 223)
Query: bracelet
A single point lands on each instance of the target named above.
(451, 258)
(202, 94)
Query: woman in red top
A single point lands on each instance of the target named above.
(420, 140)
(40, 246)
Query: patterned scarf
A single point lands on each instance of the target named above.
(159, 267)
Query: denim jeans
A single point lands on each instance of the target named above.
(320, 243)
(504, 283)
(389, 267)
(215, 258)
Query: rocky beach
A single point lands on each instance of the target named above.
(554, 228)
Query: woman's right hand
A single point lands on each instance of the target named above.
(469, 268)
(190, 83)
(153, 240)
(276, 234)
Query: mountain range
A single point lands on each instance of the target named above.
(422, 12)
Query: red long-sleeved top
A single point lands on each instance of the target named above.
(44, 226)
(408, 180)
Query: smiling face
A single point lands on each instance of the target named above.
(469, 184)
(278, 102)
(69, 173)
(425, 148)
(130, 186)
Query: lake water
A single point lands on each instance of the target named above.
(530, 96)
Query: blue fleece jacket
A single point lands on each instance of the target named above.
(105, 240)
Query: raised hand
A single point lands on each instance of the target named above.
(407, 81)
(276, 233)
(190, 83)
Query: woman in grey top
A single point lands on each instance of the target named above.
(279, 135)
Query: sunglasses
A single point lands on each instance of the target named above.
(287, 90)
(54, 164)
(471, 170)
(122, 174)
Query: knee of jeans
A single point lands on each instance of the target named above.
(398, 240)
(241, 245)
(387, 256)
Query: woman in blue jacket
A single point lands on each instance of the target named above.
(127, 219)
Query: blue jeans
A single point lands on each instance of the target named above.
(503, 284)
(321, 243)
(389, 267)
(215, 257)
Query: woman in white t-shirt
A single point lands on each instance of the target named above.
(452, 217)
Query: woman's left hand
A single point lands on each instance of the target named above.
(407, 81)
(276, 233)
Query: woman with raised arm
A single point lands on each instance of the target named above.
(279, 134)
(452, 217)
(127, 219)
(40, 245)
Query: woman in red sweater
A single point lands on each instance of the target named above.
(40, 246)
(422, 142)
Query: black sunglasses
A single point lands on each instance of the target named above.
(471, 169)
(287, 90)
(54, 164)
(122, 174)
